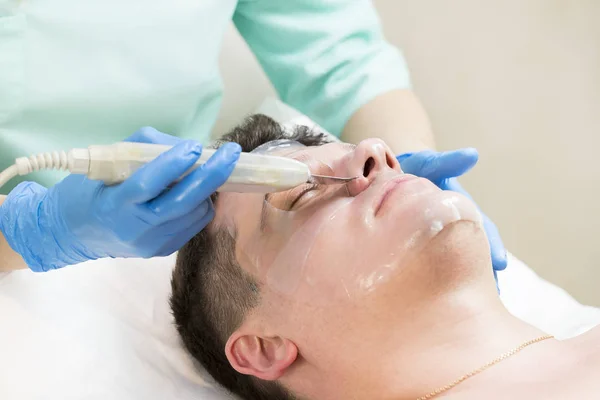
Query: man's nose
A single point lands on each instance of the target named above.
(370, 158)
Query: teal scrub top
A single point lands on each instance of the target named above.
(75, 73)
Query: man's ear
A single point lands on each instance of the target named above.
(266, 358)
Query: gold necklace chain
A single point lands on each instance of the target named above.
(486, 366)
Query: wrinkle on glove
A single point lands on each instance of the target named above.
(146, 216)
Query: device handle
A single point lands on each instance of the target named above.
(256, 173)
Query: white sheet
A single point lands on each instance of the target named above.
(542, 304)
(96, 331)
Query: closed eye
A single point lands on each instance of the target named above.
(305, 190)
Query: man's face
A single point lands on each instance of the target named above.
(327, 257)
(328, 244)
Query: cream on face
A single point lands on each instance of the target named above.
(320, 245)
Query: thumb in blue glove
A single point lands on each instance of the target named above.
(79, 219)
(442, 168)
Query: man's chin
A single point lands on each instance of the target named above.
(455, 252)
(434, 261)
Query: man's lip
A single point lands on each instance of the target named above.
(389, 187)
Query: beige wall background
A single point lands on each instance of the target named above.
(520, 81)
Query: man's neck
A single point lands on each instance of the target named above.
(440, 320)
(435, 351)
(458, 328)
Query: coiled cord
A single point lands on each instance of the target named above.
(25, 165)
(50, 160)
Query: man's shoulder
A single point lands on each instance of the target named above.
(587, 345)
(574, 375)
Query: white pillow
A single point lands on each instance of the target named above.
(103, 329)
(100, 330)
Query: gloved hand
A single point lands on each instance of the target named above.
(443, 169)
(79, 219)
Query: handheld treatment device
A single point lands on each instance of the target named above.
(112, 164)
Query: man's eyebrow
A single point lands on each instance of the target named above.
(348, 146)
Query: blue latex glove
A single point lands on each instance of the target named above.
(79, 219)
(443, 169)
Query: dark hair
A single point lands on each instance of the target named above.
(211, 293)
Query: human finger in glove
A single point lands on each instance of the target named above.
(79, 219)
(443, 169)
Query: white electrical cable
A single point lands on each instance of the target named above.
(8, 174)
(113, 164)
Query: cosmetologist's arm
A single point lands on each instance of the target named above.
(397, 117)
(9, 259)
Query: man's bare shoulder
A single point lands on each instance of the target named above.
(588, 345)
(577, 378)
